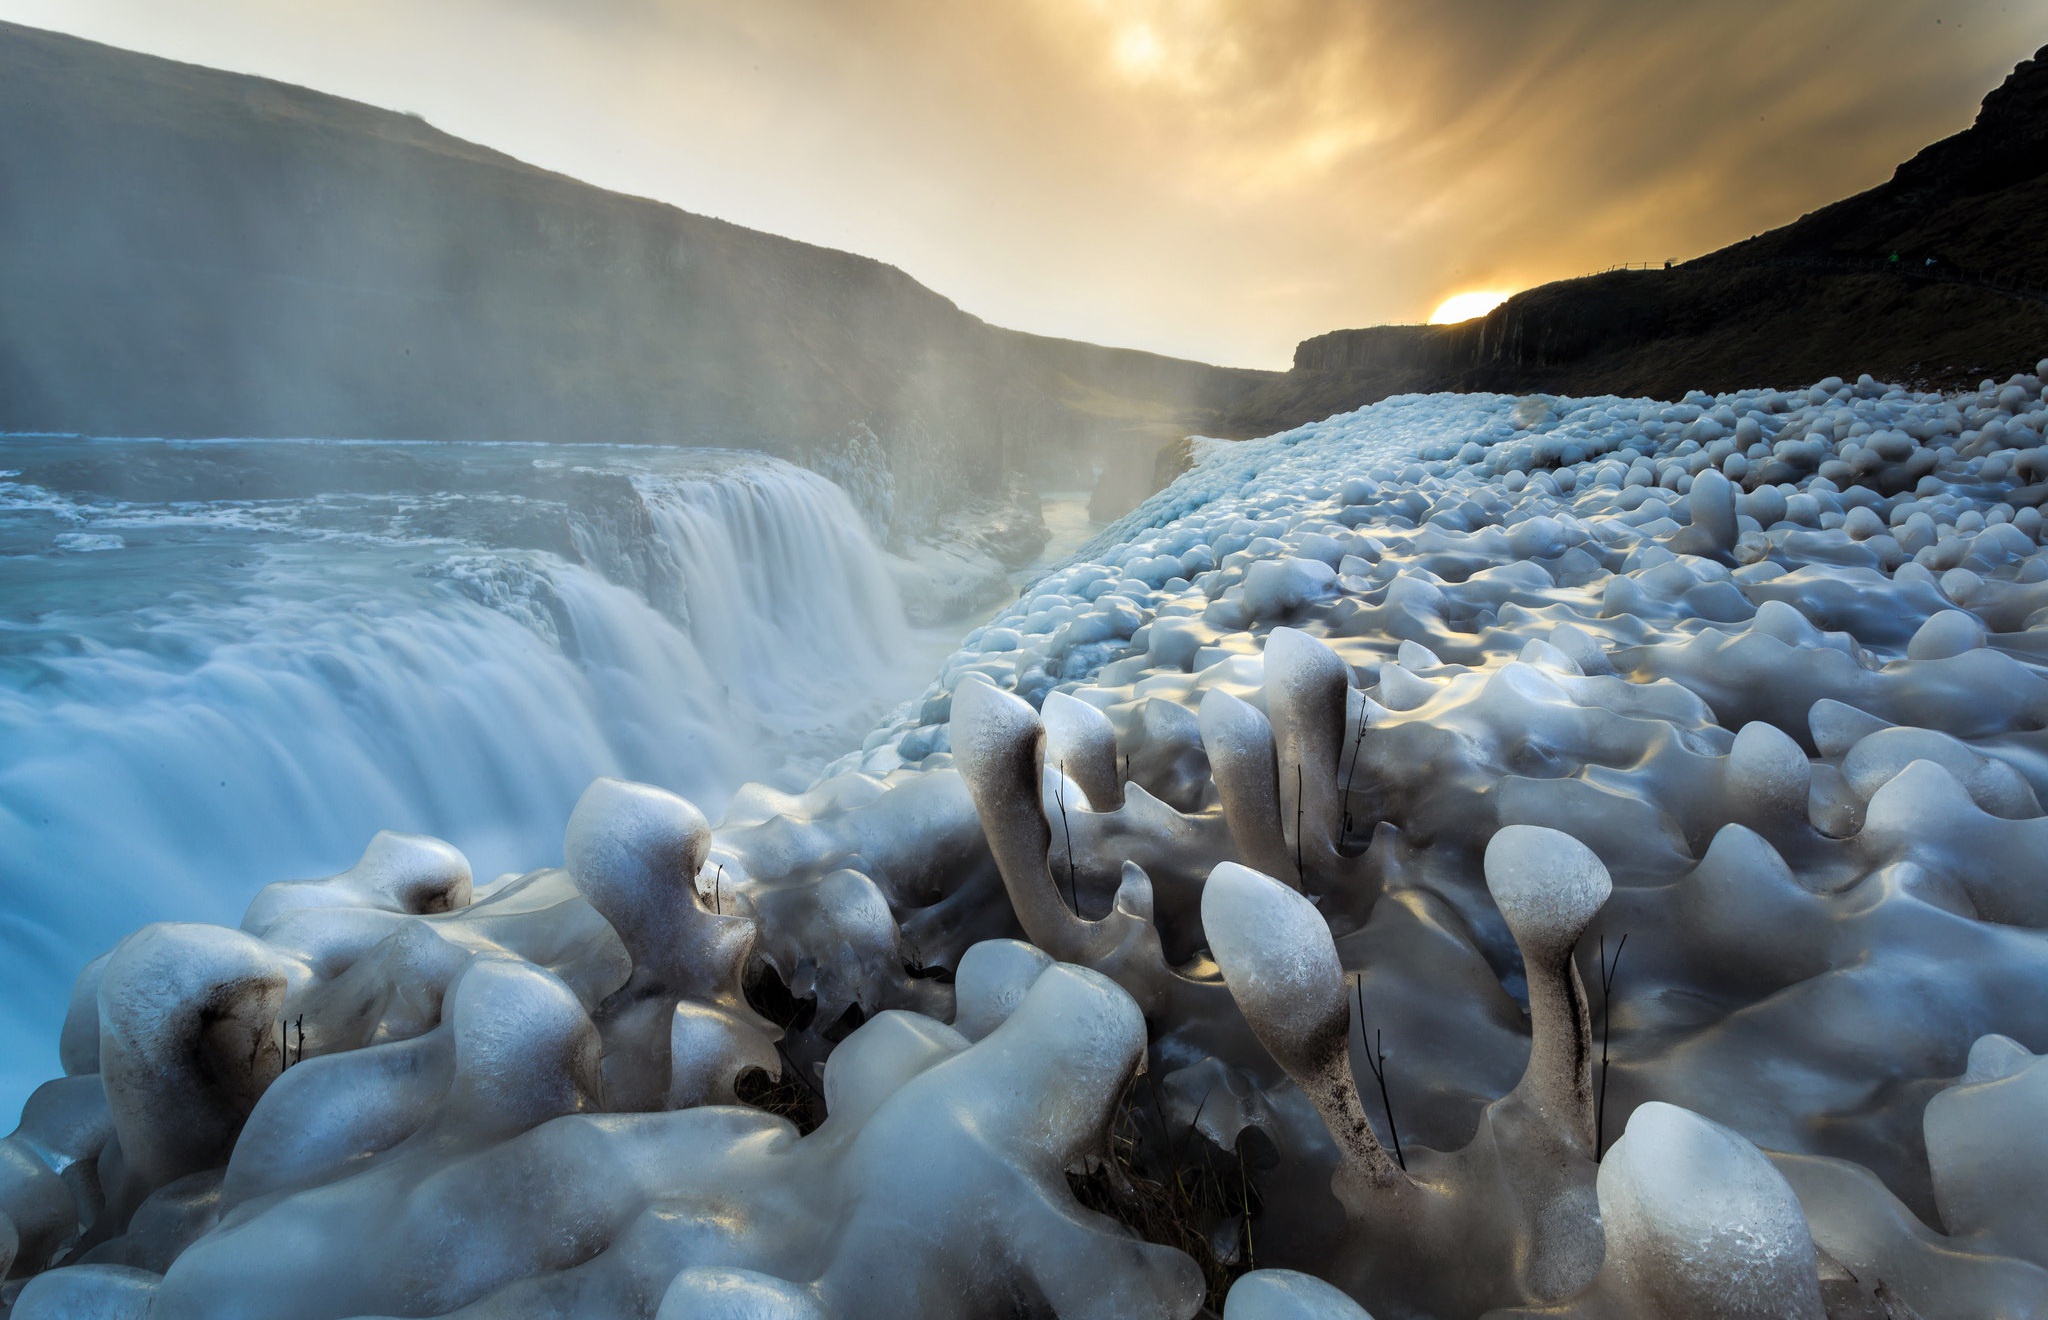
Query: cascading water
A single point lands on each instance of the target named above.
(227, 664)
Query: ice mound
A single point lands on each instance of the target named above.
(1472, 856)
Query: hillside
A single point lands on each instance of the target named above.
(189, 252)
(1967, 298)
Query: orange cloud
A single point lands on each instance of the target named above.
(1216, 178)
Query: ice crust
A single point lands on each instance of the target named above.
(1359, 748)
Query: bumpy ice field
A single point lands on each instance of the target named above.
(1472, 856)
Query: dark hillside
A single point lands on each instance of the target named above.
(1966, 297)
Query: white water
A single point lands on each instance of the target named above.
(216, 672)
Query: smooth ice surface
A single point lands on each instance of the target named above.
(1564, 857)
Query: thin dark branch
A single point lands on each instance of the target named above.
(1300, 872)
(1244, 1198)
(1357, 740)
(1159, 1112)
(1376, 1059)
(1188, 1136)
(1059, 793)
(798, 1073)
(1607, 975)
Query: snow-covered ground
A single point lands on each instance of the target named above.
(1545, 856)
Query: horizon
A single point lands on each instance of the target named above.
(1141, 178)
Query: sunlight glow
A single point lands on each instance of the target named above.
(1139, 52)
(1465, 306)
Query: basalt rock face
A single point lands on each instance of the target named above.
(189, 252)
(1966, 298)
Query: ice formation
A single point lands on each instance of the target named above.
(1471, 857)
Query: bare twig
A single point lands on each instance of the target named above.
(1607, 975)
(1060, 796)
(1189, 1135)
(1244, 1197)
(1300, 872)
(1159, 1112)
(1376, 1059)
(1356, 740)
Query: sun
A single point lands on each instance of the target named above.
(1465, 306)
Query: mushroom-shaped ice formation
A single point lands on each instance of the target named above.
(998, 746)
(1549, 887)
(1714, 529)
(634, 852)
(997, 742)
(1308, 690)
(1239, 742)
(1081, 742)
(1282, 967)
(408, 873)
(1288, 1295)
(1988, 1150)
(1698, 1226)
(187, 1018)
(1518, 1200)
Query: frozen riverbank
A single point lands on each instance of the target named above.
(1326, 786)
(221, 662)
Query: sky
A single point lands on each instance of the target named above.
(1215, 179)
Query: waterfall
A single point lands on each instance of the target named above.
(199, 696)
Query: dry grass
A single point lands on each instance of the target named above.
(785, 1097)
(1178, 1190)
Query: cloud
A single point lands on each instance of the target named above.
(1216, 178)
